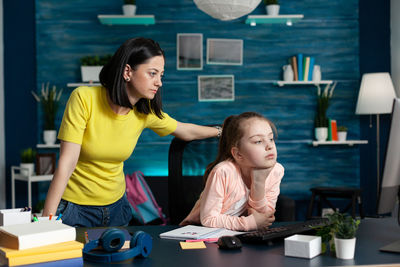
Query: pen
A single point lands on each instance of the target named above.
(59, 217)
(51, 215)
(35, 219)
(86, 237)
(209, 240)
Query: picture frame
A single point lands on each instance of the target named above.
(216, 87)
(189, 51)
(224, 51)
(45, 163)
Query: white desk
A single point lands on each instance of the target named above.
(16, 175)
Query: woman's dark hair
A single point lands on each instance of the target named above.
(232, 132)
(133, 52)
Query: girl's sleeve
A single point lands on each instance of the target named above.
(212, 200)
(272, 190)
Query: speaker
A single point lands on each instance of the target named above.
(112, 240)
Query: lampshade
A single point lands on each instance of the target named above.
(376, 94)
(227, 9)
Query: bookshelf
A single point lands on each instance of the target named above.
(126, 20)
(48, 146)
(284, 83)
(347, 142)
(253, 20)
(82, 84)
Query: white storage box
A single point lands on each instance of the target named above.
(14, 216)
(303, 246)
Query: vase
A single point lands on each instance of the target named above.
(316, 74)
(321, 133)
(342, 136)
(129, 10)
(49, 137)
(272, 10)
(27, 169)
(345, 248)
(90, 73)
(288, 75)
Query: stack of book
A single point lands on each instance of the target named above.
(332, 130)
(303, 67)
(40, 244)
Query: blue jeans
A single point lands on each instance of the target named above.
(118, 213)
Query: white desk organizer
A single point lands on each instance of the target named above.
(14, 216)
(303, 246)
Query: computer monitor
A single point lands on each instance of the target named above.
(390, 185)
(389, 189)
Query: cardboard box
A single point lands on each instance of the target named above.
(14, 216)
(303, 246)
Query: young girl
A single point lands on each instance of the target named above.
(242, 184)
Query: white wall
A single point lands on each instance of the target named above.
(2, 130)
(395, 43)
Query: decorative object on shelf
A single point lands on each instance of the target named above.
(321, 121)
(316, 74)
(91, 67)
(288, 74)
(376, 96)
(342, 133)
(129, 8)
(339, 235)
(49, 100)
(272, 7)
(226, 9)
(27, 164)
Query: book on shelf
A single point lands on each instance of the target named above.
(53, 252)
(334, 130)
(329, 138)
(311, 69)
(306, 68)
(293, 62)
(190, 232)
(300, 66)
(31, 235)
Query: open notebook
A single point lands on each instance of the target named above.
(197, 232)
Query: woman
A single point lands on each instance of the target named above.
(99, 131)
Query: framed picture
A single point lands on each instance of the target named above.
(45, 163)
(189, 51)
(216, 87)
(225, 51)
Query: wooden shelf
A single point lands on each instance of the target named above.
(126, 20)
(347, 142)
(82, 84)
(48, 146)
(253, 20)
(283, 83)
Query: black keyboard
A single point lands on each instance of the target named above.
(280, 232)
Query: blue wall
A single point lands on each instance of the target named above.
(329, 31)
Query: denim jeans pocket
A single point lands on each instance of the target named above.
(62, 207)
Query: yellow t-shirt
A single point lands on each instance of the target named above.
(107, 139)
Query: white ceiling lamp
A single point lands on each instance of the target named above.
(227, 9)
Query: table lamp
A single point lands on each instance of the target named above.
(376, 97)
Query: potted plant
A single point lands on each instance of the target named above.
(339, 235)
(27, 164)
(321, 121)
(129, 7)
(272, 7)
(91, 67)
(342, 133)
(50, 101)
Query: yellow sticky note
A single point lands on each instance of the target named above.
(192, 245)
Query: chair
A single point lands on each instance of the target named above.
(187, 161)
(321, 195)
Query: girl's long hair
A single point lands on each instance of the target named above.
(232, 132)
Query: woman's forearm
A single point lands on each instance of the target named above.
(189, 131)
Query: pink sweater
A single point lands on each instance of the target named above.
(223, 193)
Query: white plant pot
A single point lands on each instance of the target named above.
(321, 133)
(129, 10)
(342, 136)
(49, 137)
(90, 73)
(27, 169)
(272, 10)
(345, 248)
